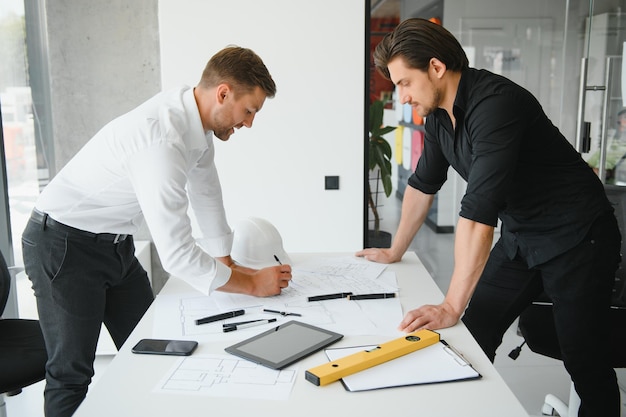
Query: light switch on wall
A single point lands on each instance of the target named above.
(331, 182)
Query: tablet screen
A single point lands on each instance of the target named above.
(284, 344)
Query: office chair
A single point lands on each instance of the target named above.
(22, 350)
(537, 326)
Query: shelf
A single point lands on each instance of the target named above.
(411, 125)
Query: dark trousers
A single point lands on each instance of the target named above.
(80, 283)
(579, 282)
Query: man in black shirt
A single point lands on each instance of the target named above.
(559, 233)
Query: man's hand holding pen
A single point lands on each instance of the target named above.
(264, 282)
(271, 280)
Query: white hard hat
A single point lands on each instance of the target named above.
(257, 244)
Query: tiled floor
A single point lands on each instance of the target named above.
(29, 403)
(530, 377)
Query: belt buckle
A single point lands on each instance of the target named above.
(119, 237)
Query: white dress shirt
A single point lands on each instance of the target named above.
(150, 164)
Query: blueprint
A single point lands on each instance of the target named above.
(226, 376)
(176, 315)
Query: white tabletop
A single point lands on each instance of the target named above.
(127, 386)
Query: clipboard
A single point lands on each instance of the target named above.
(438, 363)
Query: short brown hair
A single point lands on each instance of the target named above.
(240, 67)
(417, 41)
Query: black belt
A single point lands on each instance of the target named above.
(47, 221)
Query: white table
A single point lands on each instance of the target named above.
(126, 387)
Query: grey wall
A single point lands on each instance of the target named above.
(104, 60)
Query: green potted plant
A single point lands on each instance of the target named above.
(379, 162)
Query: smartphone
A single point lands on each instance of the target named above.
(165, 347)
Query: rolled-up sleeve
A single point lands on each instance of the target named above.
(431, 171)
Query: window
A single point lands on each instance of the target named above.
(26, 168)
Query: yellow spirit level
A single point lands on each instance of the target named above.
(333, 371)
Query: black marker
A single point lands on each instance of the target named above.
(372, 296)
(278, 260)
(218, 317)
(330, 296)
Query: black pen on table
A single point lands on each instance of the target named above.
(239, 323)
(282, 313)
(246, 325)
(222, 316)
(329, 296)
(372, 296)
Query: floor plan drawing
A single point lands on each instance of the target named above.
(227, 376)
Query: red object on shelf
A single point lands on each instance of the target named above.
(435, 20)
(417, 145)
(379, 27)
(417, 119)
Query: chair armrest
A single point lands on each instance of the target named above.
(11, 310)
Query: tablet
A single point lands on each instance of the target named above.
(284, 344)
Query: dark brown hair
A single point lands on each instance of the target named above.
(417, 41)
(241, 68)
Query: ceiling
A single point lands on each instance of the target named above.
(385, 8)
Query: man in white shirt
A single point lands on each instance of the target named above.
(150, 163)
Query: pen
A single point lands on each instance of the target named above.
(372, 296)
(237, 323)
(277, 260)
(330, 296)
(218, 317)
(455, 354)
(245, 326)
(282, 313)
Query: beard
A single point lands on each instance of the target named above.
(433, 106)
(435, 102)
(223, 134)
(223, 126)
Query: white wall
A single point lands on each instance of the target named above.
(312, 128)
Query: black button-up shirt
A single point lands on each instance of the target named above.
(517, 165)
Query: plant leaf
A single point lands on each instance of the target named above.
(380, 150)
(376, 116)
(385, 147)
(384, 130)
(387, 185)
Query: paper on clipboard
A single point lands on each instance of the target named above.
(433, 364)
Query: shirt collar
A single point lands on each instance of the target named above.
(460, 102)
(197, 137)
